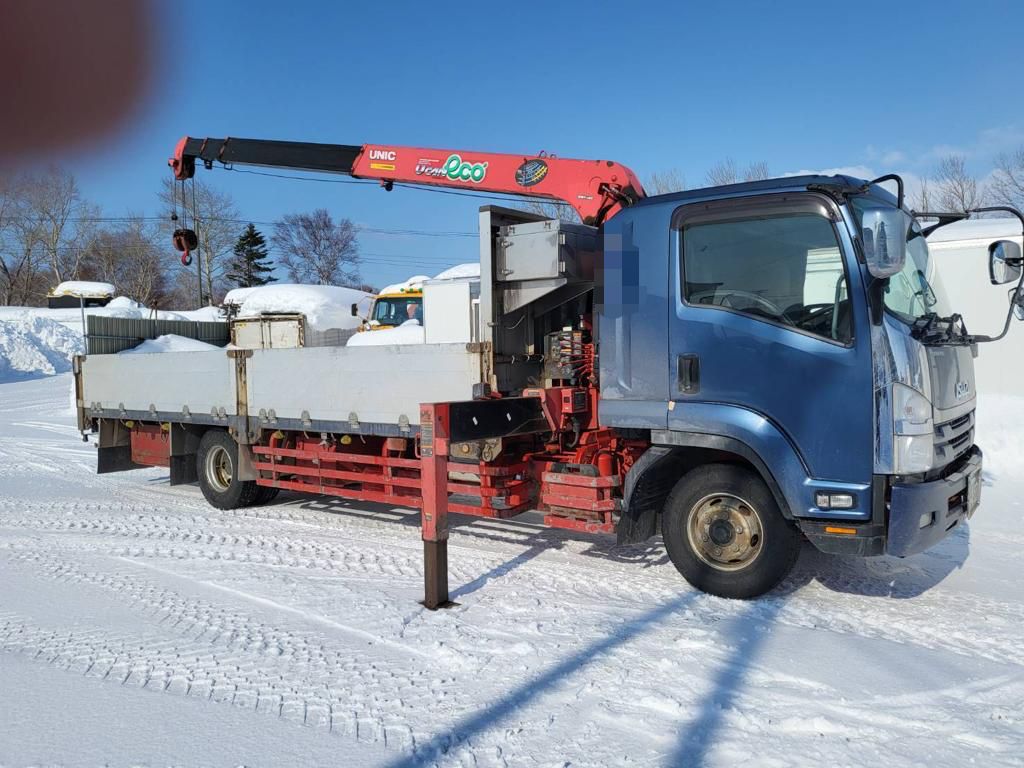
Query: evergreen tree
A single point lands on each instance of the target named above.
(250, 265)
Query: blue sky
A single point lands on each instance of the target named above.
(870, 86)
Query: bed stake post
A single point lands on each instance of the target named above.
(434, 513)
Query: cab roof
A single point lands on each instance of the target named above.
(780, 184)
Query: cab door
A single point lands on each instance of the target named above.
(763, 321)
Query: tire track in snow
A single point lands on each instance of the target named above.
(393, 556)
(228, 656)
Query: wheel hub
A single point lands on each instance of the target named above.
(725, 532)
(721, 533)
(219, 469)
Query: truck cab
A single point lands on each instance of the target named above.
(394, 305)
(786, 328)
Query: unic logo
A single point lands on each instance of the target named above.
(458, 170)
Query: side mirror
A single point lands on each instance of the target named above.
(1016, 297)
(355, 310)
(884, 233)
(1004, 262)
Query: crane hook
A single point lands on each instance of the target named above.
(185, 240)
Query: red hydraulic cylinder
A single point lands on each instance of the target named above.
(434, 512)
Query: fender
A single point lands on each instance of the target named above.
(705, 432)
(652, 477)
(770, 450)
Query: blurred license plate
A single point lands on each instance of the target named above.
(973, 491)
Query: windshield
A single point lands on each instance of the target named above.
(395, 311)
(916, 290)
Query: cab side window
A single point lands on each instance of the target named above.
(787, 270)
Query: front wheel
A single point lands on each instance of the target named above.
(725, 533)
(217, 468)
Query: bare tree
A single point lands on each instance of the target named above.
(26, 278)
(725, 172)
(316, 249)
(955, 188)
(131, 258)
(1007, 186)
(756, 171)
(664, 182)
(7, 262)
(62, 222)
(215, 221)
(922, 199)
(721, 173)
(23, 273)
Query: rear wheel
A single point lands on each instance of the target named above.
(217, 468)
(725, 533)
(265, 494)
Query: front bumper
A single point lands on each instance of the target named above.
(948, 501)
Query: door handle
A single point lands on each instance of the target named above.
(688, 374)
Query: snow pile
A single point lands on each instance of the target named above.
(36, 341)
(414, 283)
(409, 332)
(325, 306)
(203, 315)
(237, 296)
(32, 346)
(118, 307)
(170, 343)
(460, 271)
(84, 288)
(123, 302)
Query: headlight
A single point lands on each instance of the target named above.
(914, 454)
(911, 411)
(914, 430)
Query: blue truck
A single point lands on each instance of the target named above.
(738, 368)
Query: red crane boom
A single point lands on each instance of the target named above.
(596, 189)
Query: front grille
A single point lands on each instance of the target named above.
(955, 424)
(953, 438)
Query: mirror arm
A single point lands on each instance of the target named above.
(899, 185)
(1009, 315)
(944, 219)
(876, 299)
(1004, 209)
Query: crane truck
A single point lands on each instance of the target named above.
(739, 368)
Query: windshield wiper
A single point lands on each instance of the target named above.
(932, 330)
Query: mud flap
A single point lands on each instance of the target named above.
(184, 446)
(114, 449)
(648, 483)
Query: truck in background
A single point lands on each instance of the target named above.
(738, 367)
(394, 305)
(961, 253)
(398, 303)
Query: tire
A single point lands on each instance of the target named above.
(725, 533)
(265, 494)
(216, 467)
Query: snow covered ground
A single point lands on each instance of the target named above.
(139, 626)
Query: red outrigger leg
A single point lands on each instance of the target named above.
(434, 512)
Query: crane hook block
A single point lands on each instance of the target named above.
(185, 240)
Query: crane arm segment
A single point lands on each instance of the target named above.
(596, 189)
